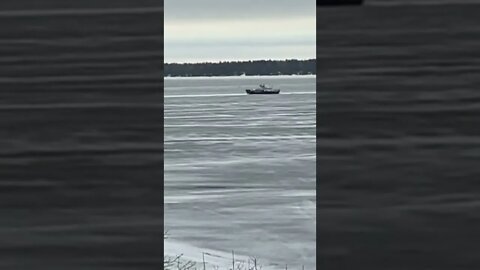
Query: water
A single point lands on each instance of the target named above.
(399, 140)
(240, 170)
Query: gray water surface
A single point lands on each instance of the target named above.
(240, 169)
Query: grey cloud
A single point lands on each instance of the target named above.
(273, 42)
(222, 9)
(183, 45)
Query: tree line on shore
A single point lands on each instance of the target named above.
(237, 68)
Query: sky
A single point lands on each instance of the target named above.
(227, 30)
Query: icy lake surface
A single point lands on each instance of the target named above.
(240, 170)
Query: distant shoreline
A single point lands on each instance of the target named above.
(242, 68)
(240, 76)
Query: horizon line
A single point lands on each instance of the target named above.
(239, 61)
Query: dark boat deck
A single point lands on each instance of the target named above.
(268, 92)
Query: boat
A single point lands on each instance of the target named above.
(263, 89)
